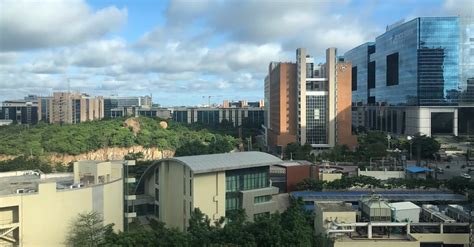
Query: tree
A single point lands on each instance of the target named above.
(296, 223)
(297, 152)
(423, 147)
(88, 230)
(310, 184)
(372, 144)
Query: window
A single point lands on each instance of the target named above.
(354, 78)
(392, 69)
(371, 75)
(157, 175)
(157, 195)
(262, 199)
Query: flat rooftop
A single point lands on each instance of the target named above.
(9, 185)
(354, 196)
(334, 206)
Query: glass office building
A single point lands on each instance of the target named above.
(415, 69)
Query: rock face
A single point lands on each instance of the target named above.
(112, 153)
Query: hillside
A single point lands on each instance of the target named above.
(47, 140)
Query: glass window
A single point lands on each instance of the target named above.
(262, 199)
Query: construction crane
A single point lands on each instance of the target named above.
(209, 98)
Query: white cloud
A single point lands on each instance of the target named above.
(39, 24)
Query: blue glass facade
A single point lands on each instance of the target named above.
(359, 57)
(416, 64)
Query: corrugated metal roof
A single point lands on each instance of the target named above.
(417, 169)
(227, 161)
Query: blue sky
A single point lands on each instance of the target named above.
(181, 50)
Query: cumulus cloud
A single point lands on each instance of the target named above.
(39, 24)
(206, 47)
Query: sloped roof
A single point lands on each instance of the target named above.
(417, 169)
(227, 161)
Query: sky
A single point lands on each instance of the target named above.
(182, 51)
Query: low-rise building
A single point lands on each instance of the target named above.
(38, 209)
(337, 220)
(171, 189)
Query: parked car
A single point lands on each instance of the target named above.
(465, 175)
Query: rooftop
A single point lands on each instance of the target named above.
(354, 196)
(29, 182)
(227, 161)
(334, 206)
(404, 205)
(417, 169)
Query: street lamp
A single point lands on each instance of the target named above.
(410, 138)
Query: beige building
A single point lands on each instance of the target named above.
(66, 107)
(171, 189)
(337, 220)
(38, 209)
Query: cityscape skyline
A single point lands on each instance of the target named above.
(180, 51)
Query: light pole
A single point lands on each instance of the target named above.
(410, 138)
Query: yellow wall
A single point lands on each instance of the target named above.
(320, 218)
(328, 177)
(444, 238)
(45, 217)
(209, 194)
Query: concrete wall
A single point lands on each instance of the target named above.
(320, 218)
(328, 177)
(382, 175)
(376, 243)
(209, 194)
(418, 119)
(447, 238)
(251, 208)
(44, 217)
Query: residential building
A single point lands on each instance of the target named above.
(238, 116)
(170, 189)
(417, 77)
(20, 111)
(37, 209)
(70, 108)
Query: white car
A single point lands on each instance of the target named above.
(465, 175)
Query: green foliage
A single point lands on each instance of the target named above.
(89, 136)
(424, 146)
(25, 163)
(310, 184)
(88, 230)
(372, 144)
(297, 152)
(291, 228)
(366, 181)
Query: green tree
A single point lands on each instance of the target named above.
(310, 184)
(297, 152)
(88, 229)
(423, 147)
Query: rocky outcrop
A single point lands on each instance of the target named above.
(112, 153)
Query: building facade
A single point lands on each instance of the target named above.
(70, 108)
(310, 103)
(237, 116)
(29, 200)
(415, 78)
(280, 93)
(171, 189)
(114, 104)
(20, 111)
